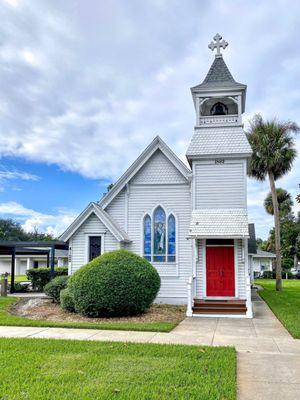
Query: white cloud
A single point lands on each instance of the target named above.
(30, 219)
(11, 175)
(88, 87)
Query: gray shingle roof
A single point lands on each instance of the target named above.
(212, 223)
(264, 254)
(218, 75)
(219, 140)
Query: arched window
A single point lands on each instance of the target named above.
(219, 109)
(147, 237)
(159, 235)
(171, 238)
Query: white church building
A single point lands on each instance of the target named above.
(190, 222)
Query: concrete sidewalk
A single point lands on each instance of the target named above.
(268, 357)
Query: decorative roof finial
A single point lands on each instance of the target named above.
(219, 43)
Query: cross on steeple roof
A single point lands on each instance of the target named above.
(218, 44)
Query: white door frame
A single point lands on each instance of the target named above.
(235, 245)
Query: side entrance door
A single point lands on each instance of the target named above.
(220, 280)
(94, 247)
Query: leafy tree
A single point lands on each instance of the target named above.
(12, 230)
(273, 154)
(285, 203)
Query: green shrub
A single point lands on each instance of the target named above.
(53, 288)
(269, 275)
(21, 287)
(59, 271)
(66, 300)
(272, 275)
(118, 283)
(39, 277)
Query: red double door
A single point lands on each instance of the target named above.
(220, 271)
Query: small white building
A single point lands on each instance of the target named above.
(190, 221)
(36, 259)
(262, 261)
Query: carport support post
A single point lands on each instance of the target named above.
(12, 273)
(48, 259)
(52, 261)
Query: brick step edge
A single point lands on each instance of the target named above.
(216, 311)
(220, 310)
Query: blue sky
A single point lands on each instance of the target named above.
(85, 86)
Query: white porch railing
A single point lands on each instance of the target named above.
(219, 120)
(190, 296)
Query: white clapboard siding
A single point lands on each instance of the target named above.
(240, 270)
(220, 185)
(91, 226)
(158, 170)
(117, 209)
(200, 273)
(176, 199)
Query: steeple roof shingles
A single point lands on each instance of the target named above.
(218, 75)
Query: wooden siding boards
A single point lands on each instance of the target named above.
(220, 185)
(91, 226)
(175, 199)
(117, 209)
(159, 183)
(158, 170)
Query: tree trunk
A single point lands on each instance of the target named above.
(277, 232)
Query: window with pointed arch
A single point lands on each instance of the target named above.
(159, 236)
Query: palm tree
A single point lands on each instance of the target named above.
(285, 203)
(273, 155)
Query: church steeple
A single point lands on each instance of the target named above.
(219, 94)
(219, 103)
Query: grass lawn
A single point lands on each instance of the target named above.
(19, 278)
(286, 304)
(12, 320)
(39, 369)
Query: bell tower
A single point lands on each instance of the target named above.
(219, 103)
(219, 99)
(218, 154)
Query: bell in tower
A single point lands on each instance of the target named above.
(219, 109)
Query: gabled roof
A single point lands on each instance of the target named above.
(264, 254)
(219, 223)
(218, 76)
(156, 144)
(103, 216)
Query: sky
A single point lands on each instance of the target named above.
(86, 86)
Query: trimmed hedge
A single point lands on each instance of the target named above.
(66, 300)
(53, 288)
(118, 283)
(39, 277)
(272, 275)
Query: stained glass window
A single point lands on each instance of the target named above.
(159, 232)
(171, 238)
(147, 237)
(159, 237)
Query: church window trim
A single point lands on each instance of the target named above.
(165, 257)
